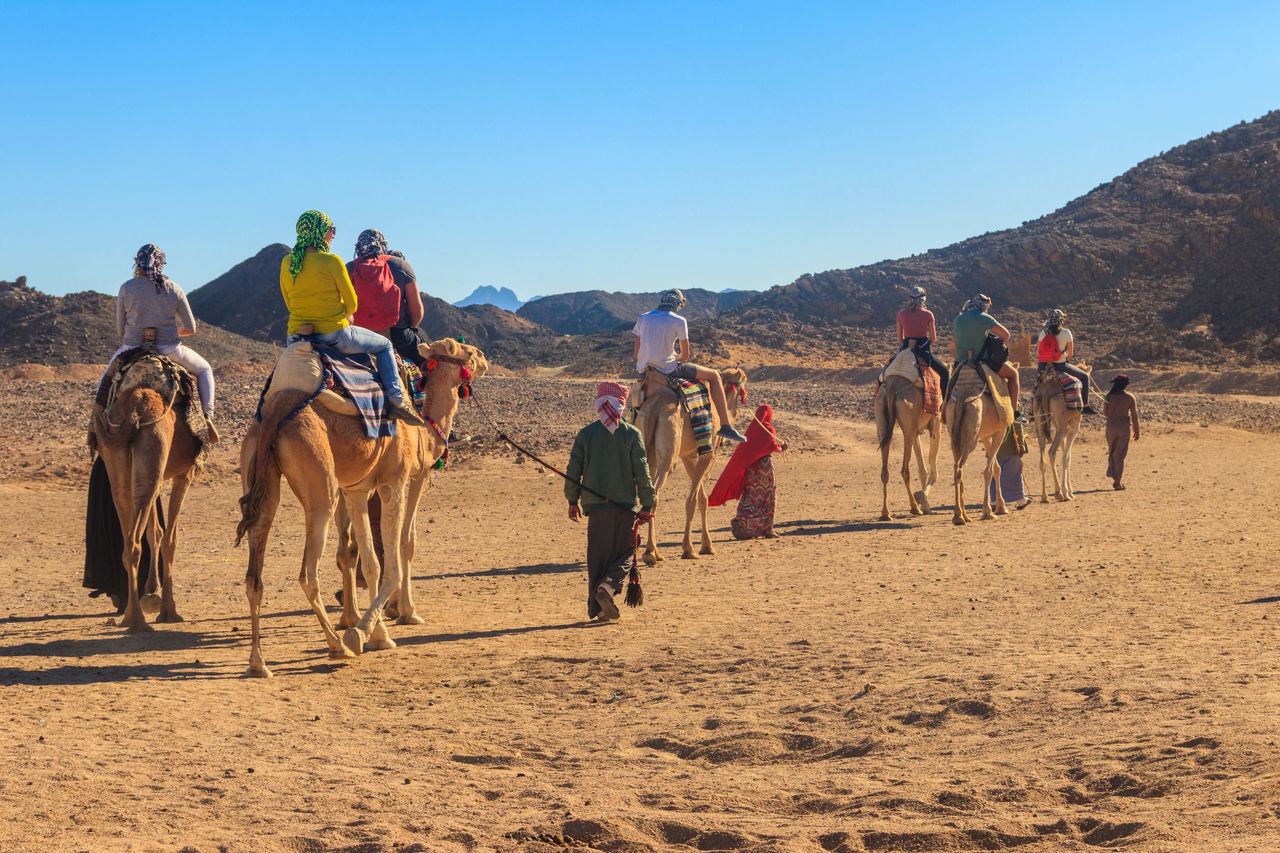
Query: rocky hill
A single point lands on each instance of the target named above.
(1176, 259)
(80, 328)
(592, 311)
(499, 297)
(246, 299)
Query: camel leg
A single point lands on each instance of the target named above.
(884, 480)
(156, 581)
(1001, 507)
(909, 446)
(702, 515)
(1055, 450)
(929, 476)
(696, 501)
(258, 535)
(651, 555)
(358, 508)
(372, 625)
(1040, 442)
(1070, 443)
(148, 453)
(317, 519)
(168, 608)
(348, 553)
(121, 476)
(408, 545)
(957, 482)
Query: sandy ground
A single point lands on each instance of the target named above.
(1074, 676)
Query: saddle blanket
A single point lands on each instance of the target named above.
(1071, 392)
(932, 387)
(698, 401)
(357, 376)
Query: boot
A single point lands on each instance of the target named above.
(401, 412)
(210, 431)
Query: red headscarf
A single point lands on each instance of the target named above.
(761, 441)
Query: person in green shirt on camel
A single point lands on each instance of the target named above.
(969, 336)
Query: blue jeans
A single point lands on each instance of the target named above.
(355, 339)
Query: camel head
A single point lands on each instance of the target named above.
(460, 376)
(735, 386)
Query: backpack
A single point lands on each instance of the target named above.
(1049, 349)
(377, 294)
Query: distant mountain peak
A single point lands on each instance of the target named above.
(486, 294)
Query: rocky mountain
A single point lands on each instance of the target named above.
(1176, 259)
(590, 311)
(246, 299)
(499, 297)
(80, 328)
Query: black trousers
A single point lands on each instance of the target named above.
(611, 543)
(405, 341)
(926, 352)
(1072, 370)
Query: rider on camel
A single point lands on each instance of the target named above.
(916, 326)
(972, 328)
(662, 342)
(1056, 345)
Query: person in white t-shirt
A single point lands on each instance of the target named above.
(1056, 345)
(662, 342)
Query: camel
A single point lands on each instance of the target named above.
(320, 452)
(1057, 426)
(978, 410)
(668, 438)
(147, 436)
(901, 401)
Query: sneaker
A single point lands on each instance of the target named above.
(456, 438)
(608, 609)
(1088, 410)
(1020, 416)
(404, 413)
(728, 433)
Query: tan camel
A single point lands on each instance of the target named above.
(320, 452)
(899, 400)
(979, 410)
(668, 438)
(1058, 426)
(148, 436)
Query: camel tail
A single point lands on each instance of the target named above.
(274, 411)
(116, 434)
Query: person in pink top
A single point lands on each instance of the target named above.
(917, 326)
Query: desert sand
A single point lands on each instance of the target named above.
(1073, 676)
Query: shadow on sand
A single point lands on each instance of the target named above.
(427, 639)
(1270, 599)
(511, 571)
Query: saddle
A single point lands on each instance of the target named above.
(143, 367)
(693, 397)
(1058, 382)
(972, 379)
(916, 369)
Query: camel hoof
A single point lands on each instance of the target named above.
(353, 639)
(1044, 500)
(688, 555)
(170, 618)
(345, 623)
(988, 516)
(650, 559)
(706, 549)
(380, 644)
(915, 510)
(258, 671)
(138, 626)
(151, 604)
(884, 516)
(391, 611)
(410, 619)
(957, 520)
(341, 653)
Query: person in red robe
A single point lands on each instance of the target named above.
(748, 479)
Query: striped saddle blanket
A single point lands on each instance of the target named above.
(1071, 392)
(698, 401)
(357, 378)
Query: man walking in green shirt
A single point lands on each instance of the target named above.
(608, 459)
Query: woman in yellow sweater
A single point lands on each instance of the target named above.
(318, 293)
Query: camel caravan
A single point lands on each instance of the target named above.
(359, 411)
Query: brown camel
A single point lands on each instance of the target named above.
(321, 452)
(1057, 426)
(978, 410)
(146, 436)
(901, 401)
(668, 438)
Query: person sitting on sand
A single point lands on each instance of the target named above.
(394, 301)
(658, 336)
(969, 336)
(609, 472)
(1056, 345)
(152, 300)
(917, 326)
(1121, 409)
(318, 293)
(748, 479)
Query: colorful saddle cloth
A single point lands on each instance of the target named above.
(1071, 392)
(697, 401)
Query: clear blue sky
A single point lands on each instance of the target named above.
(553, 146)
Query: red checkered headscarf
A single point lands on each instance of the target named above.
(610, 399)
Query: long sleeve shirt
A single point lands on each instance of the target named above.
(613, 464)
(321, 294)
(139, 307)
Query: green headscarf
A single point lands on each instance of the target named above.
(313, 227)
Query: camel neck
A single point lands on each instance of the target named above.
(441, 406)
